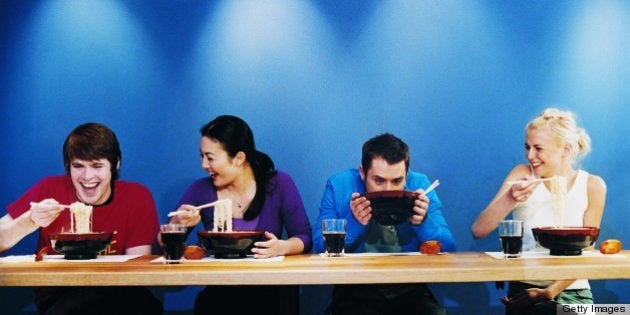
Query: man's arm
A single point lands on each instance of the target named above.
(12, 231)
(41, 214)
(434, 226)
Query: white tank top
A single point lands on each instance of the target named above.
(537, 212)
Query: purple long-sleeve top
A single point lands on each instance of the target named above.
(283, 208)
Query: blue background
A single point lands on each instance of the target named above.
(457, 80)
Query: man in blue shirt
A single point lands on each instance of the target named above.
(384, 166)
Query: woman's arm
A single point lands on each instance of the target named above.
(504, 201)
(596, 190)
(139, 250)
(537, 295)
(293, 215)
(276, 247)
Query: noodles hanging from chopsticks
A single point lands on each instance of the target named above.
(558, 188)
(223, 216)
(80, 218)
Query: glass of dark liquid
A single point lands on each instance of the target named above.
(511, 234)
(334, 231)
(174, 241)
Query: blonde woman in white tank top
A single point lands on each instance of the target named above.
(554, 145)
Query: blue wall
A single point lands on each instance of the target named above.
(457, 80)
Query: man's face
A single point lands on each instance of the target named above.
(384, 176)
(91, 180)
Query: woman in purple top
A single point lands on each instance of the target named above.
(262, 199)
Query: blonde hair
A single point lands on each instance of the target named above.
(565, 129)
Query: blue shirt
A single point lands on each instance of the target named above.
(335, 204)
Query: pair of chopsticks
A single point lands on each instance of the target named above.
(197, 208)
(432, 186)
(37, 203)
(526, 181)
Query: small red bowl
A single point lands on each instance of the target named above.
(236, 244)
(80, 245)
(390, 207)
(566, 241)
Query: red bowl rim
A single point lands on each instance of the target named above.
(391, 194)
(234, 234)
(68, 236)
(563, 230)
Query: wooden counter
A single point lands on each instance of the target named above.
(314, 269)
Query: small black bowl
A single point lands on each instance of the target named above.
(390, 207)
(237, 244)
(566, 241)
(76, 246)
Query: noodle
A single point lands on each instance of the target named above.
(80, 218)
(558, 188)
(223, 216)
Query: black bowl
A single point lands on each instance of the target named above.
(80, 245)
(392, 206)
(566, 241)
(236, 244)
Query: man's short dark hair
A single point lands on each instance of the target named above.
(386, 146)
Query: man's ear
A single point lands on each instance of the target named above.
(361, 173)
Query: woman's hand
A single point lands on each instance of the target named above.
(188, 215)
(272, 247)
(361, 208)
(45, 212)
(520, 192)
(527, 297)
(420, 207)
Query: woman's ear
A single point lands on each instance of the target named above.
(240, 158)
(567, 151)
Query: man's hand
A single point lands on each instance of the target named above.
(361, 208)
(420, 207)
(45, 212)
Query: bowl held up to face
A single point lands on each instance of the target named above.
(236, 244)
(566, 241)
(390, 207)
(76, 246)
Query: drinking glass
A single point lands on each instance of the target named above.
(511, 234)
(174, 240)
(334, 231)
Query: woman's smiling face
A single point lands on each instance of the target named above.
(91, 180)
(543, 152)
(216, 161)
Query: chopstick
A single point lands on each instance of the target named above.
(525, 181)
(432, 186)
(174, 213)
(208, 205)
(37, 203)
(197, 208)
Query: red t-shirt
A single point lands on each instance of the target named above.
(131, 215)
